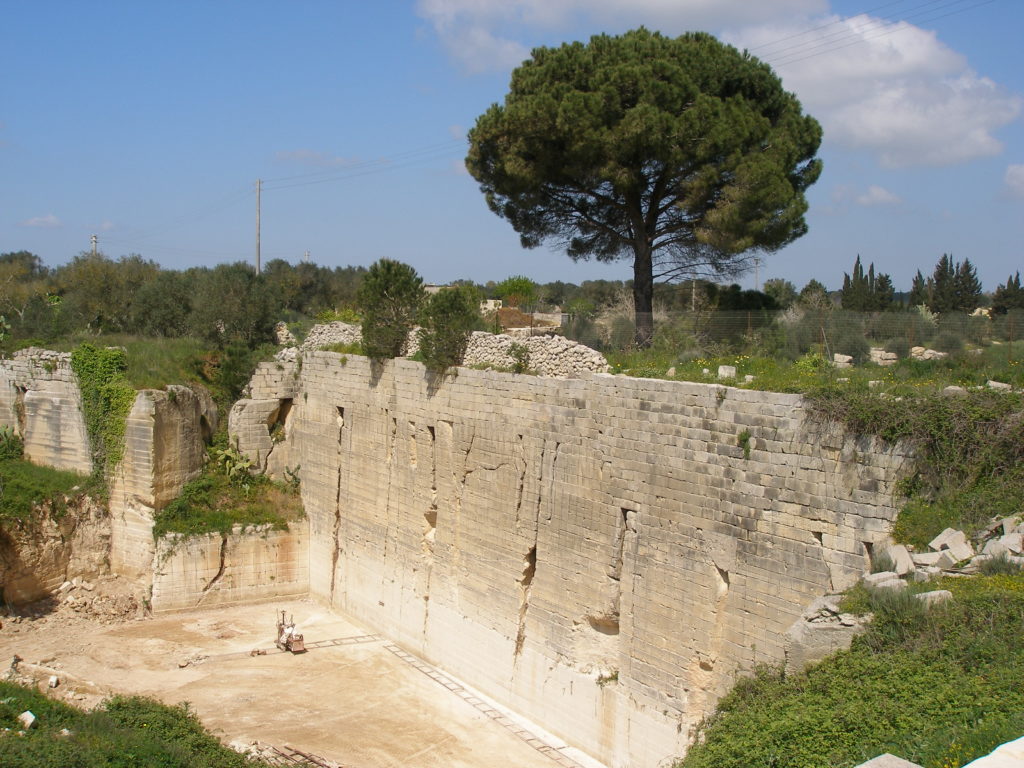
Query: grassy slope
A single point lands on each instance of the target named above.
(126, 732)
(938, 688)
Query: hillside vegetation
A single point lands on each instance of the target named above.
(125, 732)
(938, 687)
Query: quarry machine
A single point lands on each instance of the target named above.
(287, 639)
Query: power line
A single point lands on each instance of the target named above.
(880, 27)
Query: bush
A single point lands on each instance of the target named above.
(389, 297)
(948, 341)
(447, 322)
(899, 346)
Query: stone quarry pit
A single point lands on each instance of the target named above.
(353, 698)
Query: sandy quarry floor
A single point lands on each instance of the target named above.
(350, 698)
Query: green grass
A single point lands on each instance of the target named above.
(215, 503)
(775, 374)
(153, 363)
(938, 687)
(25, 486)
(125, 732)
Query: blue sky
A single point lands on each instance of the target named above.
(147, 124)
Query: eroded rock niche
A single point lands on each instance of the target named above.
(598, 553)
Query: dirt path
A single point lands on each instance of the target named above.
(352, 698)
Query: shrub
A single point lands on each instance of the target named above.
(948, 341)
(389, 297)
(447, 322)
(900, 346)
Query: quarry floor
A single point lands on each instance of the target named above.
(353, 698)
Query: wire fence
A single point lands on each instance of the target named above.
(796, 332)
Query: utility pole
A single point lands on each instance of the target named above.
(94, 239)
(259, 183)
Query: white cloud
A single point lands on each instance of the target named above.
(482, 34)
(1014, 180)
(876, 195)
(887, 87)
(49, 221)
(106, 225)
(314, 158)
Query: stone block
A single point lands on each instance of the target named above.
(942, 541)
(925, 558)
(874, 579)
(27, 719)
(887, 760)
(901, 560)
(946, 560)
(935, 597)
(961, 549)
(1012, 542)
(727, 371)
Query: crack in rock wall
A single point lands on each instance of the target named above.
(596, 553)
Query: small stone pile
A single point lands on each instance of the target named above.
(283, 336)
(951, 551)
(921, 353)
(329, 334)
(547, 355)
(108, 606)
(879, 356)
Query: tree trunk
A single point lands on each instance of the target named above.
(643, 294)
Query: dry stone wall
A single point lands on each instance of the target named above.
(603, 554)
(546, 355)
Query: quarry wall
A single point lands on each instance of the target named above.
(165, 447)
(602, 554)
(40, 399)
(224, 569)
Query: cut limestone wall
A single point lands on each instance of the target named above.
(165, 448)
(40, 399)
(603, 554)
(216, 569)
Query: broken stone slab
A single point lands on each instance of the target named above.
(727, 371)
(874, 579)
(994, 548)
(671, 372)
(934, 597)
(926, 573)
(925, 558)
(888, 761)
(960, 549)
(27, 719)
(1013, 542)
(946, 560)
(842, 361)
(998, 385)
(894, 585)
(826, 604)
(941, 541)
(902, 562)
(954, 390)
(807, 643)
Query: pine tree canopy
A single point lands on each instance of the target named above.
(682, 154)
